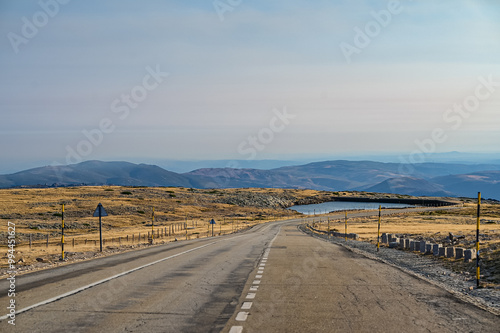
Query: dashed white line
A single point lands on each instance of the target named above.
(250, 295)
(236, 329)
(246, 305)
(242, 316)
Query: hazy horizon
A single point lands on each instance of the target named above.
(287, 80)
(181, 166)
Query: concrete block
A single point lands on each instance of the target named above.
(389, 238)
(450, 252)
(435, 249)
(412, 245)
(402, 243)
(422, 246)
(393, 245)
(459, 252)
(407, 243)
(469, 255)
(428, 248)
(385, 240)
(442, 251)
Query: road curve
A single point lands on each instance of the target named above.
(201, 286)
(304, 284)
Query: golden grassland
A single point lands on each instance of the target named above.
(36, 213)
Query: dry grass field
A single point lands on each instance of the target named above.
(36, 214)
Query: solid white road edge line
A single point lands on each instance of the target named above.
(69, 293)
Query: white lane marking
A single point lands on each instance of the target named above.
(258, 276)
(242, 316)
(72, 292)
(246, 305)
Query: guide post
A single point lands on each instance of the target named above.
(378, 232)
(212, 222)
(62, 233)
(477, 237)
(100, 212)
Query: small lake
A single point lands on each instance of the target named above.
(334, 206)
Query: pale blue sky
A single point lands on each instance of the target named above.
(227, 76)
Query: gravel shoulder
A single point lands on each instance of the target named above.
(426, 268)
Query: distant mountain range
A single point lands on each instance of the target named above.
(429, 179)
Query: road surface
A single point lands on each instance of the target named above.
(309, 285)
(304, 285)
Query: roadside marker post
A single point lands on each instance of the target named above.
(378, 233)
(62, 233)
(100, 212)
(212, 222)
(328, 227)
(153, 226)
(345, 231)
(477, 237)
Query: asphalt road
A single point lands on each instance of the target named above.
(305, 285)
(194, 289)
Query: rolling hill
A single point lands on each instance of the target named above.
(429, 179)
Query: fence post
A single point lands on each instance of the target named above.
(30, 241)
(47, 240)
(73, 242)
(477, 237)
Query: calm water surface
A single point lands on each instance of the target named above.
(334, 206)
